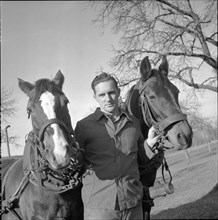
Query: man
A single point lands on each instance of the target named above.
(111, 139)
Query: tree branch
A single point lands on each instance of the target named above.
(191, 83)
(174, 7)
(197, 86)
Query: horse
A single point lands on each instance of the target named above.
(45, 183)
(154, 101)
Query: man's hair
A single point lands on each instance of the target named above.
(103, 77)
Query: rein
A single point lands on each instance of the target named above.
(8, 205)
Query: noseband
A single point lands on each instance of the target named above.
(149, 119)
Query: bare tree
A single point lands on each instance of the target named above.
(7, 104)
(8, 110)
(185, 31)
(204, 128)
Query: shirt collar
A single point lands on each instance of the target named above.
(99, 114)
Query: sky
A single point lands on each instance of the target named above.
(41, 37)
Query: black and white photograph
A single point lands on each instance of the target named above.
(109, 110)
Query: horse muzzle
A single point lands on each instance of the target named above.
(58, 162)
(180, 135)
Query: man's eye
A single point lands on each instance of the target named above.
(112, 93)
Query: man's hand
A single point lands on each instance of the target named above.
(152, 137)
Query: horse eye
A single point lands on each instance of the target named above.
(151, 97)
(64, 101)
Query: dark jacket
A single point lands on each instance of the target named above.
(111, 156)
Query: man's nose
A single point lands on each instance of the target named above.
(108, 97)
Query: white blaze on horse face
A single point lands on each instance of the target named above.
(48, 102)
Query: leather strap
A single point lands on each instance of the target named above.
(53, 121)
(170, 120)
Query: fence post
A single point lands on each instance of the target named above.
(6, 132)
(209, 148)
(187, 155)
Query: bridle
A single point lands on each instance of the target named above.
(72, 173)
(149, 119)
(71, 176)
(42, 130)
(160, 127)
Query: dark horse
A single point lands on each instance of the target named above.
(154, 101)
(46, 182)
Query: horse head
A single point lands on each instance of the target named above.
(50, 119)
(154, 101)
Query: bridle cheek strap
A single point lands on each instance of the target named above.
(39, 138)
(53, 121)
(146, 113)
(162, 125)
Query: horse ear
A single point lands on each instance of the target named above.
(59, 79)
(26, 87)
(164, 66)
(145, 68)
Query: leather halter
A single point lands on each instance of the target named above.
(160, 126)
(147, 113)
(72, 173)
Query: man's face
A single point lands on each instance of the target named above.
(107, 94)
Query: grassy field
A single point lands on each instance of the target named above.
(195, 183)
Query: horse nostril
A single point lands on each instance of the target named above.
(181, 139)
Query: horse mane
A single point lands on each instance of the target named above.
(131, 105)
(126, 104)
(43, 85)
